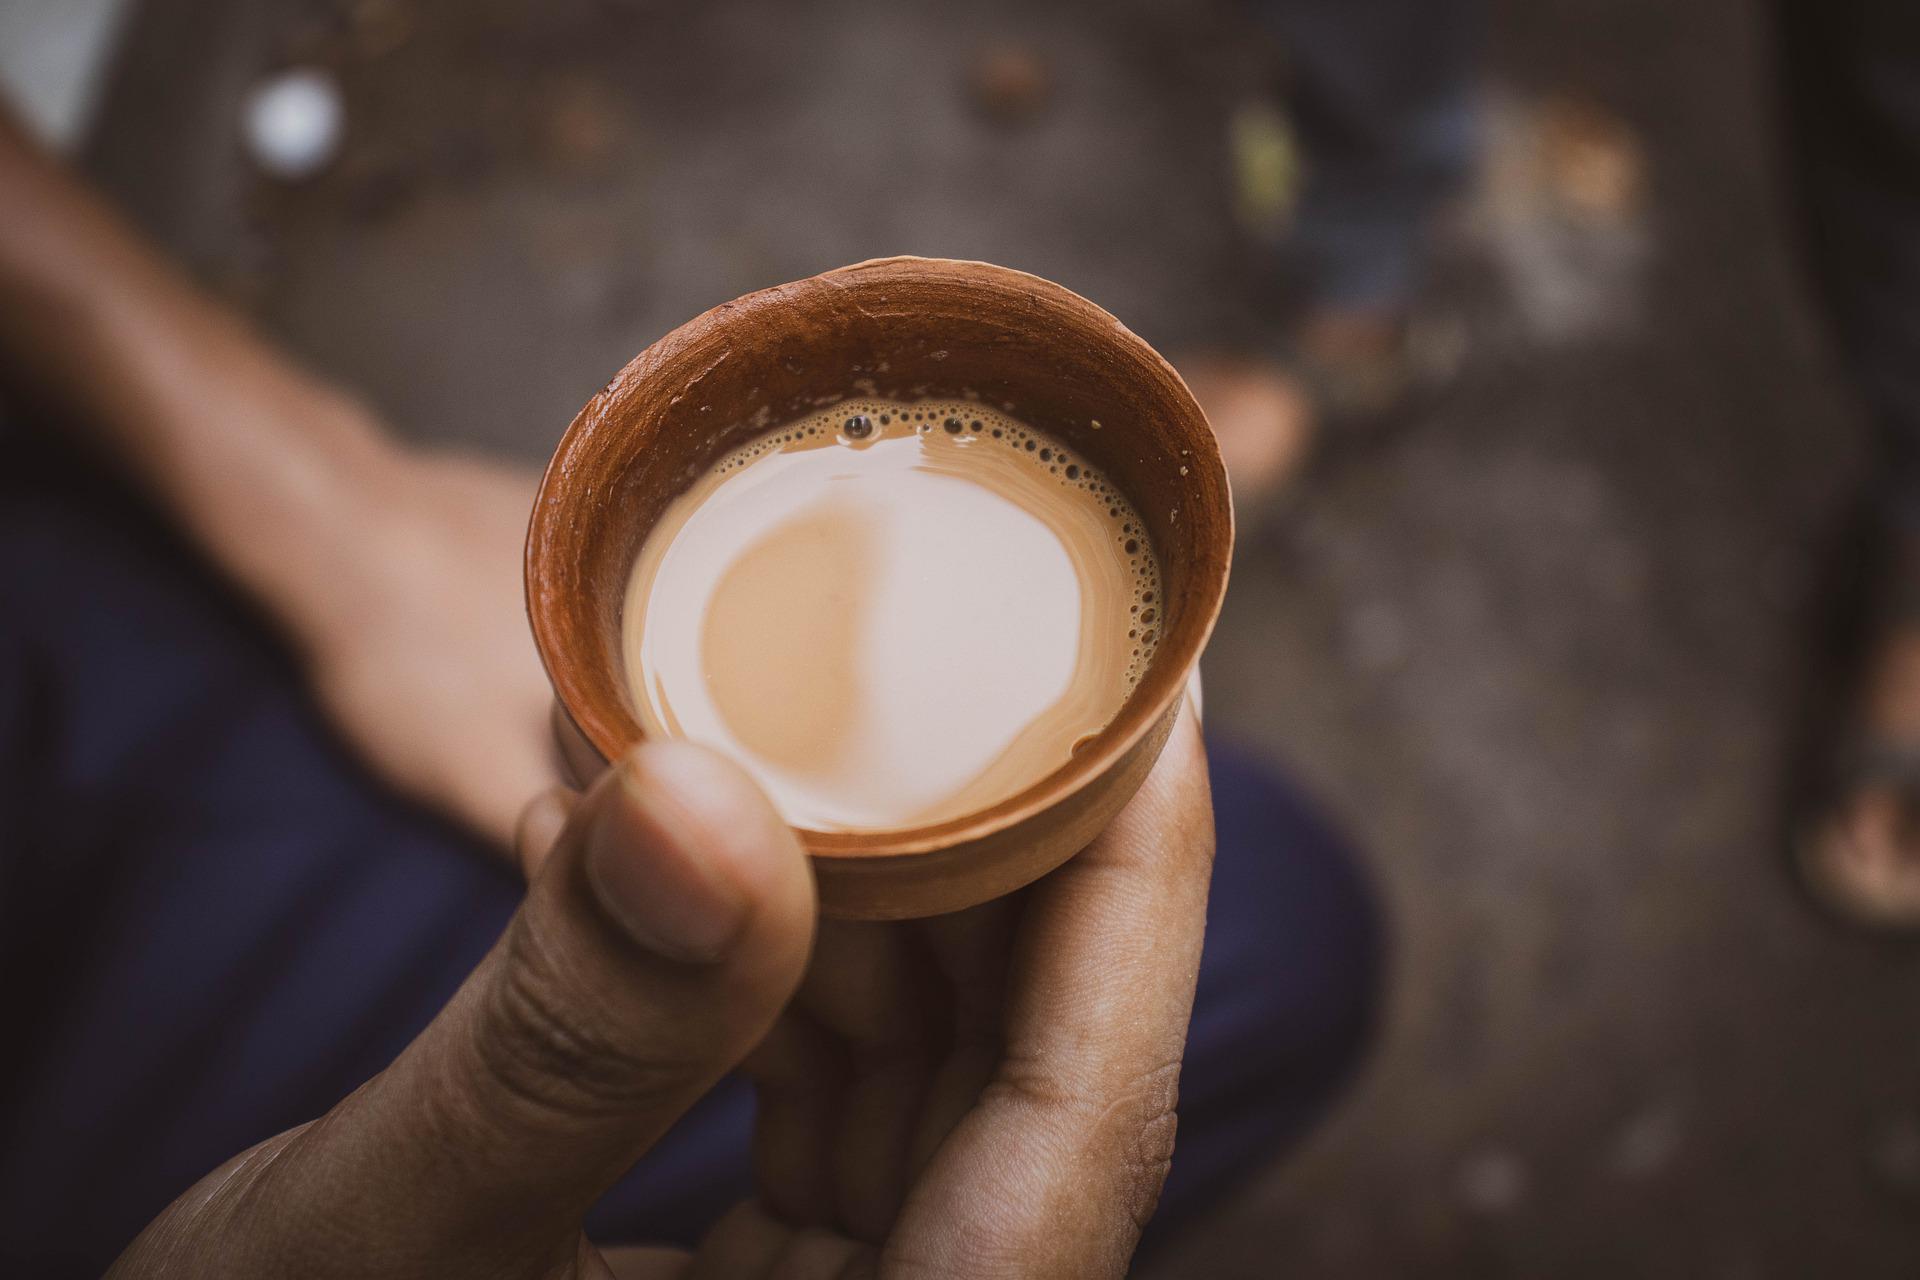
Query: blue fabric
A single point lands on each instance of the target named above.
(213, 924)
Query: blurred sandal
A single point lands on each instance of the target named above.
(1860, 858)
(1857, 846)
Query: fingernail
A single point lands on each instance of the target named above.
(650, 856)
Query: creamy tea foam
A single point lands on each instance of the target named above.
(893, 613)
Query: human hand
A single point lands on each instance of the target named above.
(415, 639)
(990, 1093)
(394, 572)
(669, 923)
(986, 1094)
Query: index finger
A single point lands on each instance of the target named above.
(1060, 1164)
(1105, 966)
(1109, 946)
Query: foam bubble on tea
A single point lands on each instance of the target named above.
(893, 613)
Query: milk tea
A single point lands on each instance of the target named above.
(893, 613)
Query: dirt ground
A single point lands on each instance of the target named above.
(1541, 652)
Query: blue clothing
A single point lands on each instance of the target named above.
(214, 924)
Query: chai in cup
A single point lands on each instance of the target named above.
(984, 693)
(892, 613)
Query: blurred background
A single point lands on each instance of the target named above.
(1540, 649)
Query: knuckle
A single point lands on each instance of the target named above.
(1127, 1129)
(1147, 1167)
(545, 1042)
(1145, 1118)
(1028, 1082)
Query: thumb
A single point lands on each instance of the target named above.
(664, 932)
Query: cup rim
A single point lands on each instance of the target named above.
(1178, 652)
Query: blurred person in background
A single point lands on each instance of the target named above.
(1380, 130)
(1850, 73)
(1380, 99)
(270, 715)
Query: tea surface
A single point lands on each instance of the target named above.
(892, 613)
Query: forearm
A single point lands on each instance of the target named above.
(260, 463)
